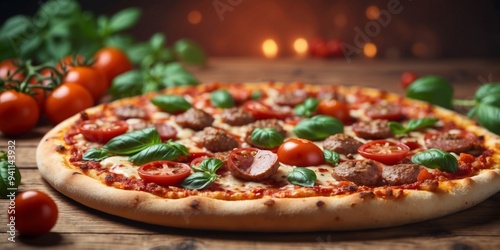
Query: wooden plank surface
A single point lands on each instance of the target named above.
(80, 227)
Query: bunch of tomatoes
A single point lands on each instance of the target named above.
(29, 92)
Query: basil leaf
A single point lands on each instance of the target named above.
(397, 128)
(133, 142)
(190, 52)
(127, 84)
(266, 138)
(489, 117)
(486, 90)
(210, 165)
(256, 95)
(436, 158)
(432, 89)
(331, 156)
(124, 19)
(171, 103)
(95, 154)
(10, 177)
(307, 108)
(492, 99)
(198, 180)
(182, 149)
(412, 125)
(302, 177)
(222, 99)
(318, 127)
(155, 153)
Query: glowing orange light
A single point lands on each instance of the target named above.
(194, 17)
(300, 45)
(372, 12)
(370, 50)
(270, 48)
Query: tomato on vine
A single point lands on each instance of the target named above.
(9, 68)
(89, 78)
(19, 112)
(111, 62)
(66, 100)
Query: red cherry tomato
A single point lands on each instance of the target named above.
(91, 79)
(384, 151)
(335, 48)
(260, 110)
(8, 67)
(35, 213)
(165, 173)
(69, 62)
(66, 100)
(318, 47)
(334, 108)
(239, 93)
(300, 152)
(102, 131)
(111, 62)
(408, 78)
(391, 112)
(19, 112)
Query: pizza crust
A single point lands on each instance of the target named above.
(346, 212)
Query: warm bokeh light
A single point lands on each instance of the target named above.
(372, 12)
(370, 50)
(194, 17)
(300, 46)
(270, 48)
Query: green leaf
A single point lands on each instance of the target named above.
(266, 138)
(432, 89)
(487, 90)
(190, 52)
(331, 156)
(171, 103)
(318, 127)
(256, 95)
(181, 148)
(127, 84)
(436, 158)
(176, 75)
(157, 41)
(489, 117)
(15, 29)
(198, 180)
(137, 52)
(302, 177)
(124, 19)
(397, 128)
(412, 125)
(209, 165)
(491, 99)
(120, 41)
(155, 153)
(133, 142)
(307, 108)
(10, 177)
(57, 8)
(222, 99)
(95, 154)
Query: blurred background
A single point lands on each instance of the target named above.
(381, 29)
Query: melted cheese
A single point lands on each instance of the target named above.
(120, 165)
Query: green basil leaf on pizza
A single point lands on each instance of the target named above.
(171, 103)
(318, 127)
(133, 142)
(302, 177)
(436, 159)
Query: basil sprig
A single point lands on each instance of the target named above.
(331, 156)
(10, 177)
(432, 89)
(171, 103)
(436, 159)
(133, 142)
(222, 99)
(412, 125)
(306, 108)
(302, 177)
(95, 154)
(266, 138)
(318, 127)
(158, 152)
(204, 174)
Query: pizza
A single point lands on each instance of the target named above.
(272, 157)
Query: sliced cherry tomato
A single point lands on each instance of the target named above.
(36, 213)
(252, 164)
(260, 110)
(408, 78)
(102, 131)
(424, 175)
(66, 100)
(19, 112)
(384, 151)
(300, 152)
(166, 131)
(91, 79)
(111, 62)
(334, 108)
(164, 173)
(391, 112)
(239, 93)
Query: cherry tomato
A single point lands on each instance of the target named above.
(165, 173)
(300, 152)
(239, 93)
(36, 213)
(391, 112)
(335, 48)
(408, 78)
(19, 112)
(91, 79)
(166, 131)
(318, 47)
(102, 131)
(334, 108)
(68, 62)
(260, 110)
(8, 67)
(384, 151)
(66, 100)
(424, 175)
(111, 62)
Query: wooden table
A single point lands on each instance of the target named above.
(80, 227)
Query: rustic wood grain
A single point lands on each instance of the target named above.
(80, 227)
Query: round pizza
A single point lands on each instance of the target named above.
(272, 157)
